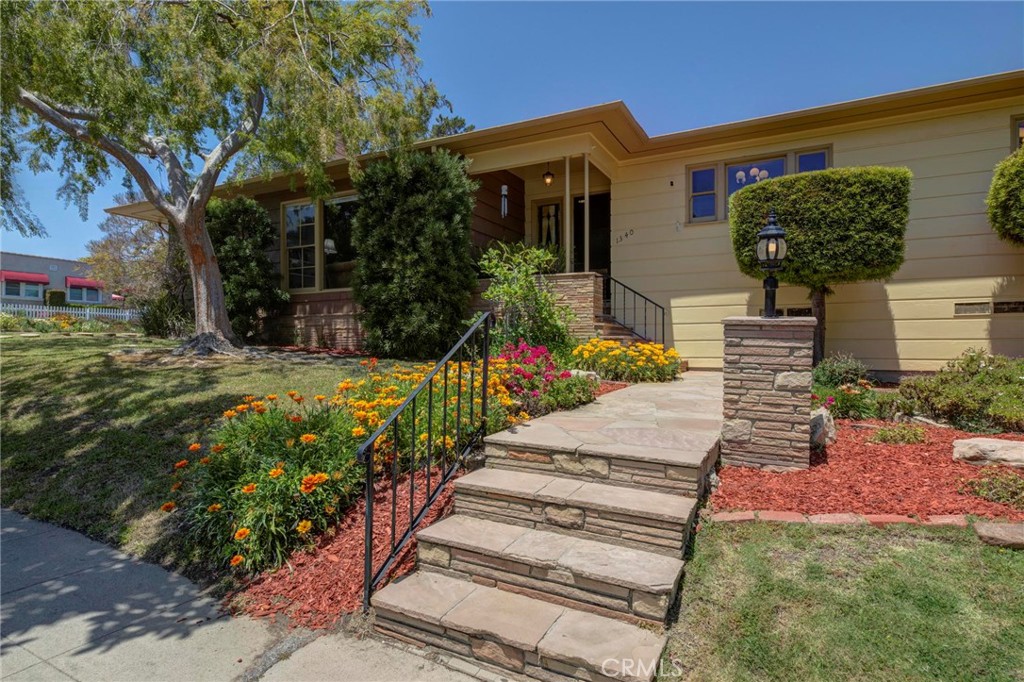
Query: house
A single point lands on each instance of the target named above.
(650, 212)
(26, 278)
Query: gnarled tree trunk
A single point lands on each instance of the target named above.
(818, 310)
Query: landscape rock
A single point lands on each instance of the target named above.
(1010, 535)
(585, 374)
(823, 428)
(989, 451)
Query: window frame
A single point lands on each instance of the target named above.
(1015, 138)
(21, 291)
(85, 294)
(319, 259)
(790, 157)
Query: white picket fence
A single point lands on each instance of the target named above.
(85, 313)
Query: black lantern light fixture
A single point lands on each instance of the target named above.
(548, 176)
(771, 251)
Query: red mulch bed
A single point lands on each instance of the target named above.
(317, 587)
(340, 352)
(867, 478)
(608, 386)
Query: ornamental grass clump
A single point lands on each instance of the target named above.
(640, 361)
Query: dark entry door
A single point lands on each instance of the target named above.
(600, 233)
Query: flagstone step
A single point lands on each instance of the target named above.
(515, 632)
(628, 517)
(635, 454)
(619, 582)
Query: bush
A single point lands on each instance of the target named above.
(890, 404)
(975, 392)
(526, 308)
(1006, 198)
(12, 323)
(641, 361)
(839, 369)
(856, 401)
(166, 316)
(414, 274)
(997, 485)
(842, 225)
(900, 434)
(55, 297)
(536, 382)
(242, 232)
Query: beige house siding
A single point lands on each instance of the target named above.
(905, 324)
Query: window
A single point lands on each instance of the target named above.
(23, 290)
(1018, 132)
(339, 253)
(300, 245)
(706, 202)
(549, 225)
(703, 202)
(84, 295)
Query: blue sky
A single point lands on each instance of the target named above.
(677, 66)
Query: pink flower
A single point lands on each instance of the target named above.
(565, 374)
(527, 375)
(831, 400)
(535, 393)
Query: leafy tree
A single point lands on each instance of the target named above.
(189, 86)
(242, 232)
(130, 254)
(444, 125)
(414, 274)
(1006, 198)
(842, 225)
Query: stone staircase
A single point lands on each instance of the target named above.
(564, 554)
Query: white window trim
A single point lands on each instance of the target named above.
(721, 184)
(21, 291)
(318, 241)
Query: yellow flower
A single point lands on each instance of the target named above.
(274, 473)
(359, 432)
(307, 438)
(303, 527)
(272, 397)
(215, 507)
(320, 398)
(249, 489)
(229, 414)
(248, 398)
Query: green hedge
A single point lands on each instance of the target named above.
(842, 224)
(1006, 198)
(55, 297)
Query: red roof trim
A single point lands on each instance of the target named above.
(27, 277)
(83, 282)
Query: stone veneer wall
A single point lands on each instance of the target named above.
(767, 406)
(331, 316)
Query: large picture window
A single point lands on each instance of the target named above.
(23, 290)
(317, 252)
(300, 245)
(83, 295)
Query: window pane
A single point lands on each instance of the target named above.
(703, 206)
(294, 278)
(12, 289)
(702, 181)
(31, 291)
(813, 161)
(1020, 133)
(75, 294)
(549, 229)
(308, 277)
(740, 175)
(339, 253)
(92, 295)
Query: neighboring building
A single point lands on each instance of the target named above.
(26, 277)
(651, 212)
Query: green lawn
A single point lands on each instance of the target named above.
(786, 602)
(88, 441)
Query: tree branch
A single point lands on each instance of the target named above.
(227, 148)
(111, 146)
(177, 178)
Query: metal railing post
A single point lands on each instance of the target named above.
(368, 539)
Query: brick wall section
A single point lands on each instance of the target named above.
(331, 317)
(767, 406)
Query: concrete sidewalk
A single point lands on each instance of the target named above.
(75, 609)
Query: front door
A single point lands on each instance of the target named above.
(600, 233)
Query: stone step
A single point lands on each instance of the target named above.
(628, 517)
(619, 582)
(675, 460)
(513, 632)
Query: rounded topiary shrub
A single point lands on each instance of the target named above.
(414, 272)
(1006, 198)
(842, 225)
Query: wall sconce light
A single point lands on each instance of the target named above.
(504, 201)
(549, 177)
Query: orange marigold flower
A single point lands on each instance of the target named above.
(298, 398)
(237, 559)
(249, 489)
(295, 418)
(182, 464)
(303, 527)
(320, 398)
(218, 448)
(229, 414)
(359, 432)
(241, 408)
(320, 478)
(259, 409)
(175, 486)
(204, 460)
(215, 507)
(195, 447)
(242, 533)
(292, 394)
(307, 438)
(274, 473)
(248, 398)
(167, 507)
(329, 509)
(289, 443)
(306, 488)
(272, 397)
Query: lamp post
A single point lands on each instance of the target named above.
(771, 251)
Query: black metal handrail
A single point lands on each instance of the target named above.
(634, 311)
(400, 439)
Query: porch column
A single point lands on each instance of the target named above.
(567, 212)
(586, 212)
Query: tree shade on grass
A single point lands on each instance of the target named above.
(842, 225)
(414, 273)
(1006, 198)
